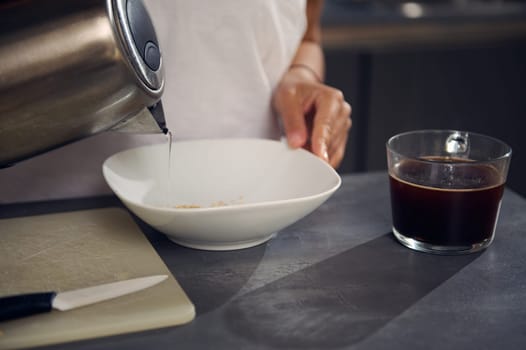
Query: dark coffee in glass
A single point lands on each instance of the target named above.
(446, 189)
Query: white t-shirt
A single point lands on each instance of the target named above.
(222, 61)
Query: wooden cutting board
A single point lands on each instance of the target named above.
(77, 249)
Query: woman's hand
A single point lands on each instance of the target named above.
(314, 115)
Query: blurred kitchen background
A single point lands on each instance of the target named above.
(449, 64)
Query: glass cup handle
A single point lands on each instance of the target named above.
(457, 144)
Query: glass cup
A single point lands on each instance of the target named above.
(446, 189)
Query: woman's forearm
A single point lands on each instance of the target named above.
(309, 56)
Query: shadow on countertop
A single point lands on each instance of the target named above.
(325, 306)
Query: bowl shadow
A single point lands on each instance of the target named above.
(209, 278)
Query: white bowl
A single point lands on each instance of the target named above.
(220, 194)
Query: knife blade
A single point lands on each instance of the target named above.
(16, 306)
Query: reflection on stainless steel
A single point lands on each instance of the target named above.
(387, 23)
(142, 122)
(67, 71)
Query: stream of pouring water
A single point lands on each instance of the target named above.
(169, 178)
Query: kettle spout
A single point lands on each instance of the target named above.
(148, 121)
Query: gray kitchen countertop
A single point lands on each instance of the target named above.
(337, 279)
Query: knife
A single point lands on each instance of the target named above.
(16, 306)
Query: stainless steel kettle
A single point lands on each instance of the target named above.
(71, 69)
